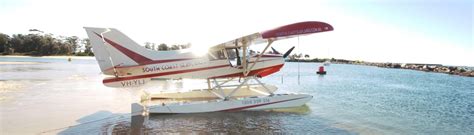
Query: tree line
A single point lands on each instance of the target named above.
(295, 56)
(39, 44)
(36, 43)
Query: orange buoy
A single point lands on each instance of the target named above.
(321, 71)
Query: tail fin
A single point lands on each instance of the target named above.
(113, 48)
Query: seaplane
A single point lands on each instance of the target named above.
(128, 64)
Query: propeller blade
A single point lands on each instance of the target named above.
(288, 52)
(275, 51)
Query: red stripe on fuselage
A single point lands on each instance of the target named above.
(133, 55)
(161, 74)
(262, 72)
(266, 55)
(165, 61)
(152, 62)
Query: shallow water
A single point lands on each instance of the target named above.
(49, 96)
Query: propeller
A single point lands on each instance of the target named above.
(288, 52)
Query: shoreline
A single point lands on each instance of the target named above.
(435, 68)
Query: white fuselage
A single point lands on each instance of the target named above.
(195, 68)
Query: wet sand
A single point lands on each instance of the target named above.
(41, 94)
(58, 57)
(19, 63)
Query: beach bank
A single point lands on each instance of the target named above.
(437, 68)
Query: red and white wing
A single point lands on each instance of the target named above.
(283, 32)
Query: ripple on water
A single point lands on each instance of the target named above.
(9, 86)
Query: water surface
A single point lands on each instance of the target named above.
(53, 94)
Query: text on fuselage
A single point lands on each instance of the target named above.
(133, 82)
(163, 67)
(255, 101)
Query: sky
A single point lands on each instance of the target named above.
(405, 31)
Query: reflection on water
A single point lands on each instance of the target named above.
(219, 122)
(8, 86)
(245, 122)
(90, 124)
(77, 77)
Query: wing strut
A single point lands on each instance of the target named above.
(244, 57)
(246, 72)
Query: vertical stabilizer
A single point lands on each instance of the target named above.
(113, 48)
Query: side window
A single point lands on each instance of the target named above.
(216, 55)
(233, 56)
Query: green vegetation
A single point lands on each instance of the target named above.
(39, 44)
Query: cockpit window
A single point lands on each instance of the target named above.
(216, 55)
(233, 56)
